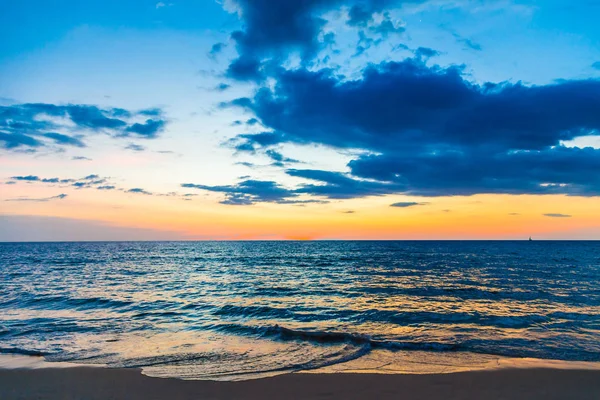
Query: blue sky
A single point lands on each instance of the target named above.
(308, 103)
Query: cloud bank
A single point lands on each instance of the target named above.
(36, 125)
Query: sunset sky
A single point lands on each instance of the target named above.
(299, 119)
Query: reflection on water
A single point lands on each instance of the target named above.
(223, 310)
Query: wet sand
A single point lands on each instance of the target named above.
(104, 384)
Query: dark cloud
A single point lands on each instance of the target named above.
(92, 181)
(36, 125)
(246, 69)
(221, 87)
(425, 53)
(468, 43)
(151, 112)
(150, 129)
(407, 204)
(35, 178)
(364, 43)
(15, 140)
(275, 29)
(140, 191)
(246, 164)
(387, 27)
(87, 116)
(336, 185)
(249, 142)
(80, 158)
(134, 147)
(279, 160)
(426, 130)
(88, 183)
(43, 199)
(81, 183)
(329, 185)
(557, 215)
(249, 192)
(27, 178)
(64, 139)
(215, 50)
(359, 15)
(235, 199)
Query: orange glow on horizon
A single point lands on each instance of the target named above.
(474, 217)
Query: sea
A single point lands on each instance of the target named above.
(247, 309)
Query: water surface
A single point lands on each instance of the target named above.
(223, 310)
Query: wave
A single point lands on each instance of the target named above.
(65, 302)
(500, 347)
(323, 337)
(400, 318)
(23, 352)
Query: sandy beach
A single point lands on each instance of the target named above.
(103, 384)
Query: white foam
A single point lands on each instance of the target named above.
(18, 361)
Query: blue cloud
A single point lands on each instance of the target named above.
(15, 140)
(139, 191)
(64, 139)
(275, 29)
(557, 215)
(43, 199)
(336, 185)
(36, 125)
(246, 69)
(279, 160)
(469, 44)
(426, 130)
(84, 116)
(407, 204)
(221, 87)
(150, 129)
(27, 178)
(134, 147)
(425, 53)
(249, 192)
(151, 112)
(359, 15)
(85, 182)
(35, 178)
(216, 49)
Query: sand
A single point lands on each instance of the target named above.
(106, 384)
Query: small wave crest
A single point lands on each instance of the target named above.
(323, 337)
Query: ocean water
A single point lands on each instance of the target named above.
(228, 310)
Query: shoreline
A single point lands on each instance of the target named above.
(378, 362)
(106, 383)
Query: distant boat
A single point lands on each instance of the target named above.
(530, 239)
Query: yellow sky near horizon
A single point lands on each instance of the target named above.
(474, 217)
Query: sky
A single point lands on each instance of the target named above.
(303, 119)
